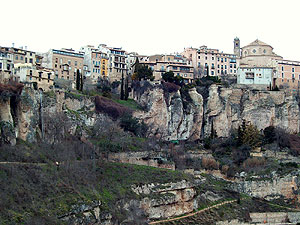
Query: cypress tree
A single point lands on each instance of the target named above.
(126, 88)
(77, 80)
(122, 87)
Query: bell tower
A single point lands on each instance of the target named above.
(237, 47)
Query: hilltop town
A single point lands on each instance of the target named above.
(101, 135)
(253, 64)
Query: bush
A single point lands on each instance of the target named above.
(170, 87)
(269, 135)
(209, 163)
(132, 124)
(254, 163)
(109, 107)
(294, 141)
(241, 154)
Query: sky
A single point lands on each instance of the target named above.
(153, 26)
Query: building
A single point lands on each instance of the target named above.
(166, 63)
(212, 62)
(255, 75)
(65, 63)
(42, 77)
(96, 62)
(287, 75)
(117, 62)
(6, 66)
(259, 57)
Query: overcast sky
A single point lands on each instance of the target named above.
(152, 26)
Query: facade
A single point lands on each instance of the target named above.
(259, 55)
(43, 77)
(117, 62)
(166, 63)
(96, 62)
(6, 66)
(255, 75)
(287, 75)
(212, 62)
(65, 63)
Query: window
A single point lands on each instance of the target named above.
(56, 60)
(199, 57)
(75, 63)
(282, 75)
(25, 60)
(205, 57)
(293, 76)
(49, 76)
(212, 65)
(30, 53)
(225, 66)
(218, 59)
(30, 72)
(69, 62)
(212, 58)
(0, 65)
(17, 57)
(282, 68)
(225, 59)
(21, 57)
(230, 65)
(234, 65)
(221, 59)
(218, 66)
(212, 72)
(61, 61)
(40, 74)
(30, 60)
(293, 70)
(218, 71)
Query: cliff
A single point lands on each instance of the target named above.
(217, 109)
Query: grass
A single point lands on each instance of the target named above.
(46, 193)
(130, 103)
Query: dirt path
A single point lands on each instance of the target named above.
(195, 213)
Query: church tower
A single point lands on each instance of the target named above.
(237, 48)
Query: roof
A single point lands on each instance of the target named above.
(258, 43)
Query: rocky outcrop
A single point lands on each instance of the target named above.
(167, 200)
(167, 115)
(219, 109)
(272, 187)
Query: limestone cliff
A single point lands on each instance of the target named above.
(220, 110)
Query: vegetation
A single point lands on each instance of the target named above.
(171, 78)
(142, 72)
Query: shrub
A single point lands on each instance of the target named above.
(269, 135)
(254, 163)
(132, 124)
(241, 154)
(282, 138)
(209, 163)
(294, 141)
(225, 169)
(170, 87)
(109, 107)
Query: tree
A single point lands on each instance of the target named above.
(142, 72)
(249, 135)
(170, 77)
(126, 94)
(122, 87)
(78, 80)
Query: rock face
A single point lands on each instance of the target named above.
(276, 187)
(167, 200)
(166, 115)
(24, 117)
(222, 110)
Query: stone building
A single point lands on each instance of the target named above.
(42, 77)
(65, 63)
(166, 63)
(212, 62)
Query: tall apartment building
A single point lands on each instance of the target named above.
(117, 62)
(6, 66)
(65, 63)
(178, 64)
(96, 62)
(212, 62)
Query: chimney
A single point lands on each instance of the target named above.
(13, 45)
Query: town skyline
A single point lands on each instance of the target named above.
(156, 28)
